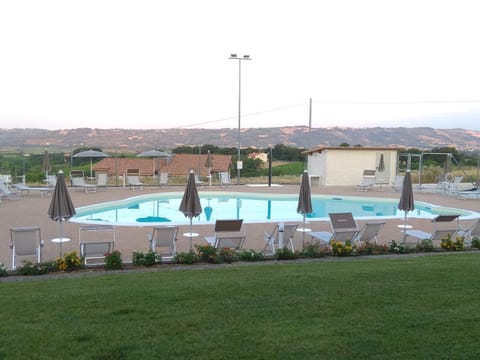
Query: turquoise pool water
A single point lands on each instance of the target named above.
(162, 208)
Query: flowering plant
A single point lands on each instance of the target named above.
(207, 253)
(113, 260)
(3, 270)
(226, 255)
(369, 248)
(341, 249)
(395, 248)
(452, 244)
(69, 262)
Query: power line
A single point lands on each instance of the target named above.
(336, 102)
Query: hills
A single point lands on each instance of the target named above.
(299, 136)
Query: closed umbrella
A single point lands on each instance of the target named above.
(90, 154)
(190, 205)
(209, 165)
(381, 164)
(304, 206)
(406, 202)
(61, 206)
(46, 166)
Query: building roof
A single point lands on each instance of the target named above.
(319, 149)
(177, 164)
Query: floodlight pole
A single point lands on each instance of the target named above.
(234, 57)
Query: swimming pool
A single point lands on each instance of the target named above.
(162, 208)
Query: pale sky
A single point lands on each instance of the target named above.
(165, 64)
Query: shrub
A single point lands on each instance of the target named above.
(476, 242)
(113, 260)
(146, 259)
(70, 261)
(207, 253)
(185, 258)
(285, 254)
(314, 250)
(28, 268)
(3, 270)
(369, 248)
(226, 255)
(250, 255)
(341, 249)
(395, 248)
(425, 245)
(452, 244)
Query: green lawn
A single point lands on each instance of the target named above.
(403, 307)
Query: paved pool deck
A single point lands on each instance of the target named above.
(31, 210)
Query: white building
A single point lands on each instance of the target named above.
(344, 166)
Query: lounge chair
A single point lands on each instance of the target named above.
(282, 233)
(470, 232)
(368, 180)
(228, 234)
(6, 192)
(344, 228)
(369, 232)
(95, 241)
(51, 180)
(472, 193)
(78, 181)
(101, 180)
(133, 179)
(398, 183)
(163, 178)
(25, 189)
(438, 234)
(224, 177)
(163, 240)
(26, 241)
(198, 181)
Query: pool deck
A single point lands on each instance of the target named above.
(31, 210)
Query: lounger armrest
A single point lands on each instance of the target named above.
(323, 236)
(419, 234)
(211, 240)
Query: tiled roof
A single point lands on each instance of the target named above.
(176, 165)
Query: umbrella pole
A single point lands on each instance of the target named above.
(405, 228)
(61, 236)
(191, 232)
(303, 232)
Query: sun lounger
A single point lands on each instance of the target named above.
(163, 240)
(344, 228)
(470, 232)
(78, 181)
(369, 232)
(228, 234)
(281, 236)
(25, 189)
(163, 178)
(133, 179)
(101, 180)
(95, 241)
(368, 180)
(6, 192)
(397, 183)
(224, 178)
(438, 234)
(26, 241)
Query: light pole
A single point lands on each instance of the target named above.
(234, 57)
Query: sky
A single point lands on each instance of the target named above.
(165, 64)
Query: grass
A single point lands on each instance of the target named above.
(364, 308)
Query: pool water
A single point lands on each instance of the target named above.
(162, 208)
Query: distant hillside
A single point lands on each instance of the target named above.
(138, 140)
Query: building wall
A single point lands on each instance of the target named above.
(332, 167)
